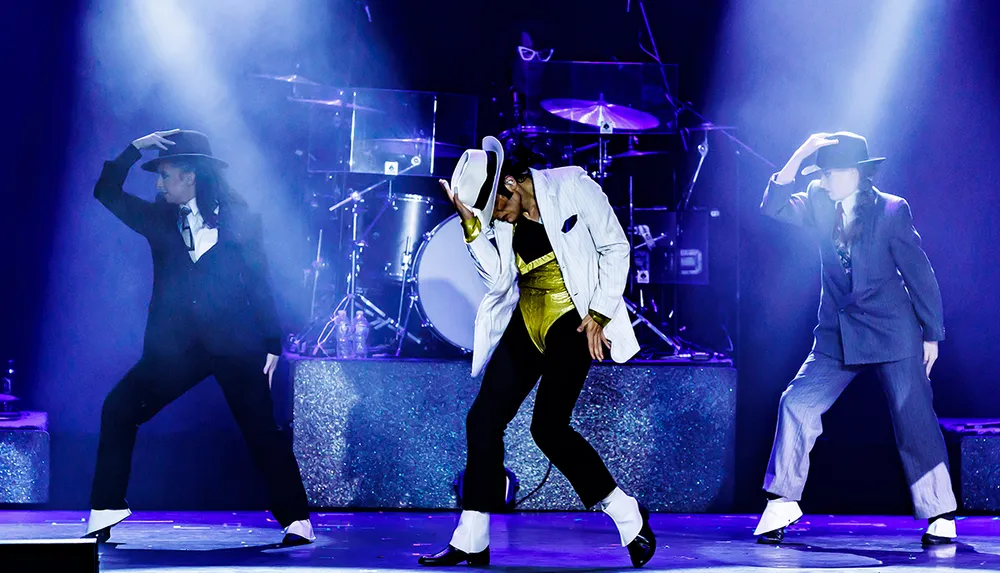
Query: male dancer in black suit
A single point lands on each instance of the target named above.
(212, 312)
(880, 308)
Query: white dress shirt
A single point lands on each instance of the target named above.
(848, 203)
(204, 237)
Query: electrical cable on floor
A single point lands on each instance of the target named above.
(534, 491)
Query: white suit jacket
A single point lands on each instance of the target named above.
(590, 247)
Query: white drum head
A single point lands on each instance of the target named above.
(448, 285)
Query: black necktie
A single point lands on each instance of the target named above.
(185, 227)
(840, 239)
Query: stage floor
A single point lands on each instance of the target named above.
(245, 542)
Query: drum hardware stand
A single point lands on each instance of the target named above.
(603, 161)
(639, 318)
(406, 323)
(405, 265)
(352, 298)
(650, 241)
(631, 306)
(407, 279)
(317, 264)
(298, 340)
(682, 205)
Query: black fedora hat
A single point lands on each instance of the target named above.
(187, 144)
(850, 151)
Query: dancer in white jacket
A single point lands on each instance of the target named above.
(555, 260)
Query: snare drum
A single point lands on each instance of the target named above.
(398, 225)
(449, 288)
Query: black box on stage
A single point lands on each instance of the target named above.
(668, 247)
(62, 555)
(974, 451)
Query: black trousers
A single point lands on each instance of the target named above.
(156, 381)
(512, 372)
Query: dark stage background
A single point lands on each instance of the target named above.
(82, 81)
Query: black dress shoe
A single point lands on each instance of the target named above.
(772, 537)
(450, 556)
(101, 535)
(643, 547)
(292, 540)
(929, 540)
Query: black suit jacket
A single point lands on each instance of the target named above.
(224, 302)
(893, 301)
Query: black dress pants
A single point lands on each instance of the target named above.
(512, 372)
(157, 380)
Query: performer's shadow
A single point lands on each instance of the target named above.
(270, 554)
(958, 554)
(564, 569)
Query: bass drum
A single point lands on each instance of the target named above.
(449, 288)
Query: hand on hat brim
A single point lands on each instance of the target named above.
(463, 211)
(870, 163)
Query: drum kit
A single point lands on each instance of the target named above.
(408, 268)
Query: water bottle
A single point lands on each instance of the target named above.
(342, 329)
(8, 402)
(7, 384)
(360, 339)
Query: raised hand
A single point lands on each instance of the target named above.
(463, 211)
(155, 139)
(810, 146)
(815, 142)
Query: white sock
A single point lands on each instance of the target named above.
(473, 532)
(624, 510)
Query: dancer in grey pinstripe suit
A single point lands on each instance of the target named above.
(880, 307)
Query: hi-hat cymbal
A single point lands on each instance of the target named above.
(288, 79)
(412, 146)
(331, 103)
(600, 113)
(637, 153)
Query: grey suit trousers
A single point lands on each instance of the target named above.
(819, 383)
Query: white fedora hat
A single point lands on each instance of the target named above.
(476, 178)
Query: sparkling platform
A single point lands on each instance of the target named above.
(526, 543)
(391, 433)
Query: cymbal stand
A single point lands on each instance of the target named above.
(682, 205)
(317, 265)
(298, 339)
(603, 161)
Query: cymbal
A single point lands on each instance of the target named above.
(598, 113)
(709, 127)
(525, 130)
(331, 103)
(411, 146)
(290, 79)
(637, 153)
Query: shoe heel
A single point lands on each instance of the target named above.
(481, 559)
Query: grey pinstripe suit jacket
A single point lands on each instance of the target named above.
(892, 303)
